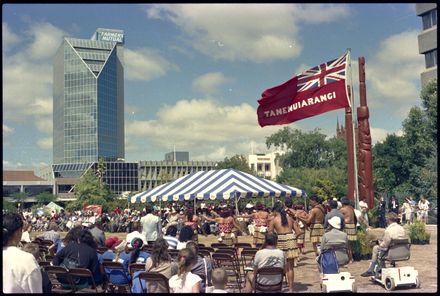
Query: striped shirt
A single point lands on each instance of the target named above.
(172, 241)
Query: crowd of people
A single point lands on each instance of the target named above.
(278, 232)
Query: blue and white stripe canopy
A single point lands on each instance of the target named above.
(215, 184)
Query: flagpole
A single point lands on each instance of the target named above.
(356, 185)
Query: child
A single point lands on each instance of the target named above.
(185, 281)
(219, 280)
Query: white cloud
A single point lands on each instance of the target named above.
(7, 131)
(9, 38)
(209, 83)
(45, 143)
(378, 134)
(394, 72)
(145, 64)
(46, 40)
(223, 31)
(202, 127)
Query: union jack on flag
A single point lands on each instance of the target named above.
(323, 74)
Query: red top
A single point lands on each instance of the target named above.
(260, 222)
(192, 224)
(226, 227)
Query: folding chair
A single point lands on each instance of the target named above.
(46, 242)
(210, 249)
(243, 245)
(57, 287)
(44, 263)
(115, 269)
(271, 271)
(133, 267)
(247, 256)
(102, 250)
(87, 287)
(156, 282)
(205, 253)
(173, 253)
(229, 264)
(201, 245)
(218, 245)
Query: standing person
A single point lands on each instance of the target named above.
(423, 209)
(333, 204)
(315, 220)
(21, 272)
(97, 232)
(382, 212)
(296, 229)
(393, 205)
(284, 227)
(299, 209)
(363, 206)
(25, 237)
(412, 204)
(406, 210)
(151, 225)
(192, 220)
(260, 223)
(225, 225)
(185, 281)
(350, 223)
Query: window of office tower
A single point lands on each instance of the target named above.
(429, 19)
(431, 58)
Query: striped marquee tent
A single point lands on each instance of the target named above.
(216, 184)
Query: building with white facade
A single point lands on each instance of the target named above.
(265, 165)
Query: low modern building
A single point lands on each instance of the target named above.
(16, 181)
(154, 173)
(428, 39)
(177, 156)
(265, 165)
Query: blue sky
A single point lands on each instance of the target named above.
(194, 72)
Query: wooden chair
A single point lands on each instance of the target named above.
(147, 248)
(150, 242)
(116, 269)
(54, 272)
(201, 245)
(155, 279)
(87, 274)
(44, 263)
(229, 264)
(264, 271)
(49, 257)
(231, 252)
(258, 246)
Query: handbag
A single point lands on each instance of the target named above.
(328, 262)
(69, 263)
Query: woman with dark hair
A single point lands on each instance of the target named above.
(186, 234)
(21, 272)
(185, 281)
(284, 227)
(160, 261)
(80, 251)
(137, 255)
(261, 220)
(73, 235)
(192, 221)
(226, 224)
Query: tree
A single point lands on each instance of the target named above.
(325, 189)
(90, 190)
(310, 150)
(101, 170)
(238, 162)
(45, 197)
(429, 102)
(19, 198)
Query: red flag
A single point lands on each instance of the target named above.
(315, 91)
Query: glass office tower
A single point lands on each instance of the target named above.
(88, 99)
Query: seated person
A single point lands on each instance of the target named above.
(268, 256)
(335, 239)
(219, 280)
(35, 250)
(115, 248)
(394, 231)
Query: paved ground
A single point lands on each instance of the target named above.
(423, 259)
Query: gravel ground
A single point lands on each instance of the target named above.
(423, 259)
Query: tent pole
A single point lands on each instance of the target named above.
(195, 207)
(272, 202)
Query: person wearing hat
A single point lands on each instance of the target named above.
(114, 253)
(394, 231)
(334, 236)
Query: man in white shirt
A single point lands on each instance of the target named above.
(135, 234)
(393, 231)
(151, 225)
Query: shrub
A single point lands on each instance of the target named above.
(417, 232)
